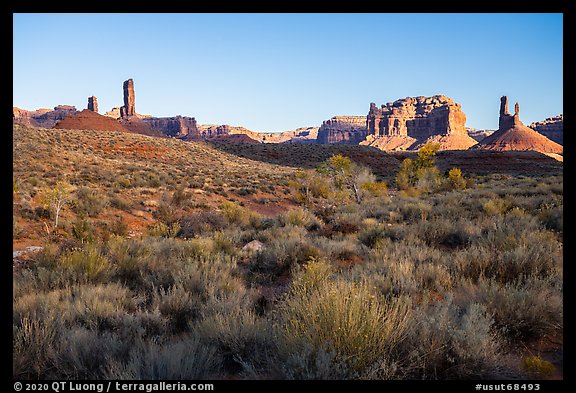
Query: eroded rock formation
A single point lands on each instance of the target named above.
(93, 104)
(552, 128)
(129, 108)
(343, 129)
(411, 122)
(45, 118)
(177, 126)
(512, 134)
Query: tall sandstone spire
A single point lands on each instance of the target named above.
(129, 98)
(93, 104)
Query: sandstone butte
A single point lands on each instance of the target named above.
(89, 120)
(409, 123)
(512, 134)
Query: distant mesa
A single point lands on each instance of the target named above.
(44, 118)
(552, 128)
(89, 120)
(512, 134)
(478, 135)
(409, 123)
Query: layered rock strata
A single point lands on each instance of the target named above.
(552, 128)
(410, 122)
(343, 129)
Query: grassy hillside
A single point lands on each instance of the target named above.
(181, 260)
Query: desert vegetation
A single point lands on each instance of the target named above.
(178, 260)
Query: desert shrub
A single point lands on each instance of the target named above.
(118, 202)
(166, 212)
(34, 349)
(431, 276)
(429, 179)
(179, 305)
(180, 198)
(84, 353)
(286, 248)
(370, 237)
(341, 317)
(446, 233)
(456, 180)
(85, 265)
(537, 367)
(89, 201)
(200, 223)
(496, 206)
(83, 230)
(186, 359)
(163, 230)
(127, 257)
(414, 211)
(234, 213)
(452, 342)
(118, 227)
(299, 217)
(552, 216)
(96, 307)
(524, 310)
(243, 339)
(515, 247)
(223, 243)
(375, 189)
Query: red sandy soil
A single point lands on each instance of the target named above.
(89, 120)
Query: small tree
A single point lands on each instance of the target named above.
(420, 170)
(308, 185)
(346, 174)
(426, 155)
(56, 198)
(456, 179)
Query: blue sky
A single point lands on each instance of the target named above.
(277, 72)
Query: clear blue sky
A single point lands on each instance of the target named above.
(276, 72)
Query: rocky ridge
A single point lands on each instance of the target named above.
(552, 128)
(45, 118)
